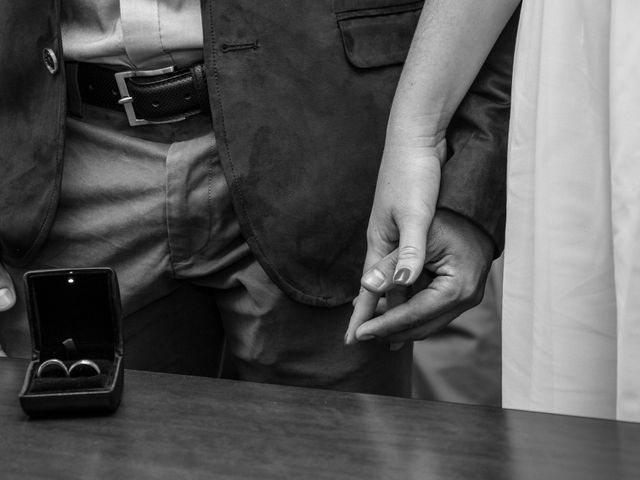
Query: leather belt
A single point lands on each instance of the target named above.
(163, 95)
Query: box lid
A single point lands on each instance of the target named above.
(74, 312)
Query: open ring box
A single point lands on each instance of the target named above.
(74, 314)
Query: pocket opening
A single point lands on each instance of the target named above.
(378, 36)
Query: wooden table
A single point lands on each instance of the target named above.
(179, 427)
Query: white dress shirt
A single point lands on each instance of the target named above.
(138, 34)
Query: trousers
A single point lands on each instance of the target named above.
(152, 203)
(462, 363)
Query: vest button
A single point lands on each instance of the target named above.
(50, 60)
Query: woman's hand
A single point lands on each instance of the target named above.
(404, 205)
(403, 208)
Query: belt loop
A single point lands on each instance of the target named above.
(74, 100)
(200, 84)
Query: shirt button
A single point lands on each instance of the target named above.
(50, 60)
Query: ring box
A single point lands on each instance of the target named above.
(74, 314)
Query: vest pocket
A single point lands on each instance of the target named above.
(376, 33)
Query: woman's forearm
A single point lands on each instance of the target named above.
(451, 42)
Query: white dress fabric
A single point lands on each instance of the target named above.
(571, 306)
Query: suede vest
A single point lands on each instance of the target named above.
(300, 92)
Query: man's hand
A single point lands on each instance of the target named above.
(459, 256)
(7, 292)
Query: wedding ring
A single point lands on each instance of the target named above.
(52, 368)
(84, 368)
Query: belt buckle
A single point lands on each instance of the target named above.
(127, 101)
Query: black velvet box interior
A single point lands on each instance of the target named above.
(74, 314)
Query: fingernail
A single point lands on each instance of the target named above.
(402, 276)
(395, 346)
(346, 338)
(365, 337)
(6, 298)
(374, 278)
